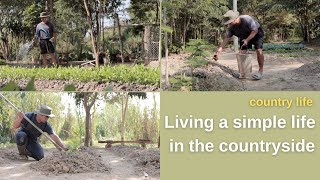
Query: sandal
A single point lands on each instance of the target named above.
(238, 75)
(257, 76)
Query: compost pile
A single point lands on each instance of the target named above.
(309, 69)
(215, 79)
(147, 160)
(81, 161)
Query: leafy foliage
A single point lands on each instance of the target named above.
(30, 86)
(124, 74)
(11, 86)
(69, 87)
(199, 49)
(141, 122)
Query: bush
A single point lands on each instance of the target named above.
(69, 87)
(282, 47)
(2, 62)
(11, 86)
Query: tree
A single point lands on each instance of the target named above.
(87, 100)
(194, 19)
(305, 11)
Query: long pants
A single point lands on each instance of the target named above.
(32, 145)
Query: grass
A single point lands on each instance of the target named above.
(294, 53)
(124, 74)
(178, 82)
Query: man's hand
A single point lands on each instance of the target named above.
(217, 54)
(52, 39)
(245, 42)
(20, 115)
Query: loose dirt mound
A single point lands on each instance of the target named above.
(9, 154)
(57, 85)
(147, 160)
(82, 161)
(309, 69)
(212, 78)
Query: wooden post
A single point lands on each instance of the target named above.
(147, 43)
(235, 39)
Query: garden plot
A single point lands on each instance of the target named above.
(282, 71)
(117, 78)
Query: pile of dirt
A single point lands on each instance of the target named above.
(310, 69)
(9, 154)
(212, 78)
(147, 160)
(81, 161)
(58, 85)
(281, 59)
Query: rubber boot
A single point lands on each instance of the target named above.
(22, 152)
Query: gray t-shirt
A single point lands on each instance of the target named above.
(31, 131)
(45, 30)
(246, 26)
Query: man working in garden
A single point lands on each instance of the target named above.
(47, 35)
(27, 135)
(249, 32)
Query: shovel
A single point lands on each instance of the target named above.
(26, 118)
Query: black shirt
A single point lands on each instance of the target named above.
(31, 131)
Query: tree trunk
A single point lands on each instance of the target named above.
(124, 105)
(98, 25)
(93, 43)
(87, 104)
(88, 127)
(185, 27)
(113, 31)
(120, 37)
(51, 12)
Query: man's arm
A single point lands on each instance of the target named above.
(17, 122)
(222, 45)
(252, 35)
(57, 140)
(54, 37)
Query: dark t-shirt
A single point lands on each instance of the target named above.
(244, 29)
(31, 131)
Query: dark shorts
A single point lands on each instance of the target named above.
(257, 42)
(46, 47)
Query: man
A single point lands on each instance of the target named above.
(249, 32)
(27, 136)
(47, 35)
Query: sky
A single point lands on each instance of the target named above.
(122, 16)
(148, 102)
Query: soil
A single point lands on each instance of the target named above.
(280, 73)
(58, 85)
(86, 163)
(146, 160)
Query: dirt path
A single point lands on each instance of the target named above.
(120, 168)
(281, 72)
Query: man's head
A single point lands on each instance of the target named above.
(44, 17)
(229, 18)
(45, 112)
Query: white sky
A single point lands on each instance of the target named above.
(122, 15)
(148, 102)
